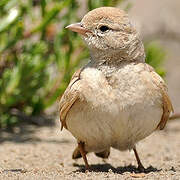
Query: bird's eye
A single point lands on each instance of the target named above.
(104, 28)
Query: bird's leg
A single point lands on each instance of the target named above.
(83, 154)
(140, 166)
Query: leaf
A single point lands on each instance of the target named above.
(155, 56)
(7, 21)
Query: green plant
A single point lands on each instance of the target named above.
(38, 55)
(155, 56)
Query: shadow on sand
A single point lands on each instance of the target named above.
(119, 170)
(24, 131)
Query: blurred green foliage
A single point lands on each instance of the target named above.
(155, 56)
(38, 55)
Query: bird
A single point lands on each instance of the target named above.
(116, 99)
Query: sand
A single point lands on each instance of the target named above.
(37, 153)
(45, 153)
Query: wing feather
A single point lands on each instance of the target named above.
(166, 102)
(69, 97)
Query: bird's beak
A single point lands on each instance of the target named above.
(77, 27)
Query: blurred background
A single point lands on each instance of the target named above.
(37, 59)
(38, 55)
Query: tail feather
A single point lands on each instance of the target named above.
(104, 154)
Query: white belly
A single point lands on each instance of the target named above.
(114, 117)
(101, 128)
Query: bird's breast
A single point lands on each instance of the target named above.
(117, 111)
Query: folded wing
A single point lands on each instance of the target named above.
(166, 103)
(69, 97)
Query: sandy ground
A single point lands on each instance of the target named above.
(45, 153)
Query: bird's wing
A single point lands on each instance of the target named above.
(69, 97)
(166, 102)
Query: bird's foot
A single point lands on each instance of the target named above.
(87, 170)
(141, 168)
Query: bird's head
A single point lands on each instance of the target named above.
(109, 34)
